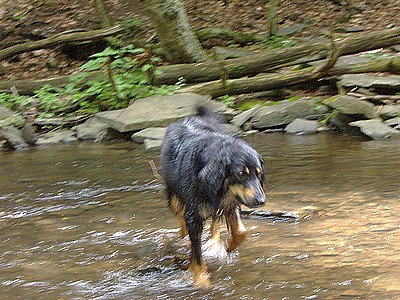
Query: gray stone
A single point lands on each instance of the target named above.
(151, 133)
(232, 129)
(92, 129)
(14, 138)
(240, 119)
(301, 126)
(395, 123)
(376, 129)
(341, 122)
(290, 30)
(370, 81)
(352, 106)
(60, 136)
(5, 112)
(152, 144)
(286, 112)
(157, 111)
(345, 60)
(28, 134)
(389, 111)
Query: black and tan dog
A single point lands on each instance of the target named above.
(208, 173)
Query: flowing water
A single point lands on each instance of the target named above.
(87, 221)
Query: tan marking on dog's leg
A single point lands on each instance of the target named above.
(177, 207)
(237, 230)
(201, 276)
(215, 234)
(182, 222)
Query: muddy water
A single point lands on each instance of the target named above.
(87, 222)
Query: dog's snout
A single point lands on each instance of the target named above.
(260, 197)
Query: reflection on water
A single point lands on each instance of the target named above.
(88, 222)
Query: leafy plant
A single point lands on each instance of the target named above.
(111, 79)
(228, 100)
(13, 101)
(129, 75)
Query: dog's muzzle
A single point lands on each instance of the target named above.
(251, 196)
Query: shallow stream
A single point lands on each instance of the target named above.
(87, 221)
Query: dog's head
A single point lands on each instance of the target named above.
(237, 170)
(246, 178)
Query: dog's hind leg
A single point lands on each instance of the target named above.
(179, 209)
(198, 266)
(236, 228)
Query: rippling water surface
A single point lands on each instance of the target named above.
(87, 221)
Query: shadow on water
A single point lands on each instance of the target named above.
(87, 222)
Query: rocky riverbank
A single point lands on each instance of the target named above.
(358, 110)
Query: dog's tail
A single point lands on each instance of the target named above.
(206, 111)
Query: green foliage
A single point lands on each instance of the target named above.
(246, 105)
(13, 102)
(128, 78)
(277, 42)
(228, 100)
(125, 75)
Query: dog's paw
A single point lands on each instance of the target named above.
(202, 280)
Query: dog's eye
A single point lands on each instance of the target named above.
(243, 173)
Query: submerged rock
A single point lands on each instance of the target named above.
(376, 129)
(152, 144)
(302, 126)
(151, 133)
(92, 129)
(60, 136)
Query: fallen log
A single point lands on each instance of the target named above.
(252, 65)
(276, 81)
(239, 67)
(27, 87)
(61, 38)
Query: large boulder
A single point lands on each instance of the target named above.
(376, 129)
(349, 105)
(286, 112)
(158, 111)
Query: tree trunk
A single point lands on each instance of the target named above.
(105, 19)
(173, 30)
(272, 19)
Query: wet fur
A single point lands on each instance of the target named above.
(208, 173)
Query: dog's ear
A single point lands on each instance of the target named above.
(212, 177)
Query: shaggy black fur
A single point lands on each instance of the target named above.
(208, 173)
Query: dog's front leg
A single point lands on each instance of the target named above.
(197, 266)
(236, 228)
